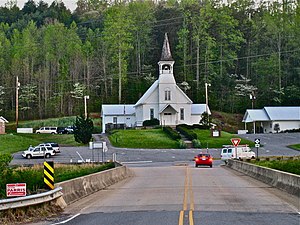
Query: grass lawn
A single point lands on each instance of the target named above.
(152, 138)
(11, 143)
(295, 147)
(156, 138)
(216, 142)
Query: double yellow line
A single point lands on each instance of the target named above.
(188, 196)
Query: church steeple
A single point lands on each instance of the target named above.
(166, 61)
(166, 51)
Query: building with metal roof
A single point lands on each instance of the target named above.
(273, 119)
(164, 100)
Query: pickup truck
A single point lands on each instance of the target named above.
(38, 151)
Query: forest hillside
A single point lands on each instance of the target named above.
(109, 52)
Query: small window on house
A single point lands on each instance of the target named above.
(182, 114)
(270, 125)
(167, 95)
(115, 119)
(151, 114)
(167, 114)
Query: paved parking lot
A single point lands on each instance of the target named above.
(276, 144)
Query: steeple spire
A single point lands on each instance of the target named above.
(166, 51)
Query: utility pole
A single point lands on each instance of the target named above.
(17, 101)
(85, 105)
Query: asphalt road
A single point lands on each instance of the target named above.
(273, 145)
(184, 195)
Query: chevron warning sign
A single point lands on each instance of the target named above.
(49, 175)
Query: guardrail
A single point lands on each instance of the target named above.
(31, 199)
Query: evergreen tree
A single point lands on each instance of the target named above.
(83, 129)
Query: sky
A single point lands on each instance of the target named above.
(70, 4)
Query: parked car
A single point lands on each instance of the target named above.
(239, 152)
(203, 159)
(38, 151)
(54, 145)
(47, 130)
(61, 130)
(70, 129)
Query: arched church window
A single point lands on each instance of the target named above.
(167, 95)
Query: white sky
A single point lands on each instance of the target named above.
(70, 4)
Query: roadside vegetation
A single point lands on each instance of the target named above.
(290, 165)
(34, 176)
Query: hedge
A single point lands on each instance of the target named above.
(185, 130)
(151, 122)
(171, 133)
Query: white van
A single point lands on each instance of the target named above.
(239, 152)
(47, 130)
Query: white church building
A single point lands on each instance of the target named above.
(164, 100)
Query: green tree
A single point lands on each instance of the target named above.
(117, 35)
(83, 129)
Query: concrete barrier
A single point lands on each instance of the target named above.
(81, 187)
(285, 181)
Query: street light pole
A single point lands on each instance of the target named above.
(17, 101)
(206, 96)
(85, 105)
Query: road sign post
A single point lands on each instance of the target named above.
(257, 145)
(235, 142)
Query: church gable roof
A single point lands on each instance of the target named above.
(183, 94)
(147, 94)
(166, 51)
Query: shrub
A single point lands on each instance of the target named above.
(151, 122)
(171, 133)
(196, 143)
(83, 129)
(181, 144)
(184, 130)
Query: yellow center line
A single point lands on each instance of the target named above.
(191, 219)
(181, 215)
(188, 193)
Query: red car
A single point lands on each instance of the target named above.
(203, 159)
